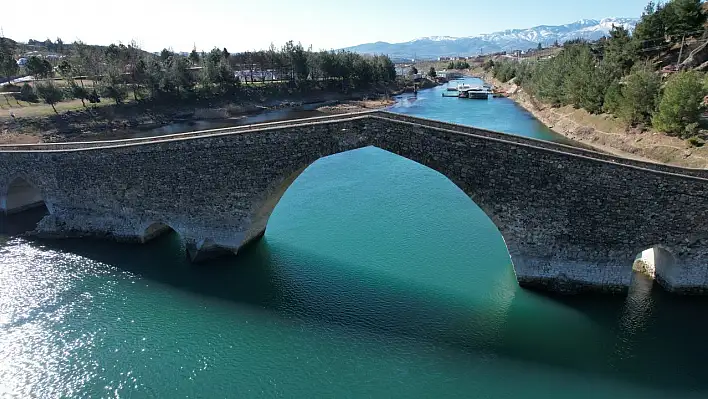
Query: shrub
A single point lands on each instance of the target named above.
(76, 91)
(639, 97)
(93, 97)
(696, 141)
(680, 104)
(613, 99)
(27, 94)
(50, 94)
(117, 93)
(691, 129)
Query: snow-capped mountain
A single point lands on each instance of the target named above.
(508, 40)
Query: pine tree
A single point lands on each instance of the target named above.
(50, 94)
(680, 104)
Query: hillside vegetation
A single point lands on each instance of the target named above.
(626, 74)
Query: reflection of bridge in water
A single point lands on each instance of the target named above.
(572, 219)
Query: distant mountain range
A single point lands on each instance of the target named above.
(515, 39)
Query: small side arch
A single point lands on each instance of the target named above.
(196, 249)
(657, 262)
(21, 195)
(155, 230)
(165, 237)
(22, 206)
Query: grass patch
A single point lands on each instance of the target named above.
(696, 141)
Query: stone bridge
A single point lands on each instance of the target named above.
(572, 219)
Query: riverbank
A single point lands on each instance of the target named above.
(34, 124)
(354, 106)
(605, 133)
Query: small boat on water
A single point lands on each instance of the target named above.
(475, 93)
(459, 87)
(463, 86)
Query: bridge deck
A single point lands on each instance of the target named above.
(452, 127)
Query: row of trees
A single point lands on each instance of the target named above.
(614, 75)
(672, 20)
(458, 65)
(56, 46)
(119, 71)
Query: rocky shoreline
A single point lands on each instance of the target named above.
(606, 134)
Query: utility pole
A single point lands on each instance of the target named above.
(683, 40)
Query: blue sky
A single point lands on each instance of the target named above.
(324, 24)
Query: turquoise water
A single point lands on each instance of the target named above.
(500, 114)
(377, 277)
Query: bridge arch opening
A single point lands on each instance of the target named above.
(169, 238)
(350, 180)
(165, 238)
(22, 206)
(22, 196)
(655, 262)
(155, 230)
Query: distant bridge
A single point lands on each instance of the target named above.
(572, 219)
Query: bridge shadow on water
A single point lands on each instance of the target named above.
(640, 339)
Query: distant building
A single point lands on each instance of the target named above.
(22, 61)
(259, 75)
(445, 74)
(444, 59)
(403, 70)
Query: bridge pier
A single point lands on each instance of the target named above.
(575, 276)
(206, 251)
(201, 243)
(686, 273)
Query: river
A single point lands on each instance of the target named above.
(377, 277)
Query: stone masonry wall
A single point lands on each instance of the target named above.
(572, 219)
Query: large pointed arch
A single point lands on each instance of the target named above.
(261, 213)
